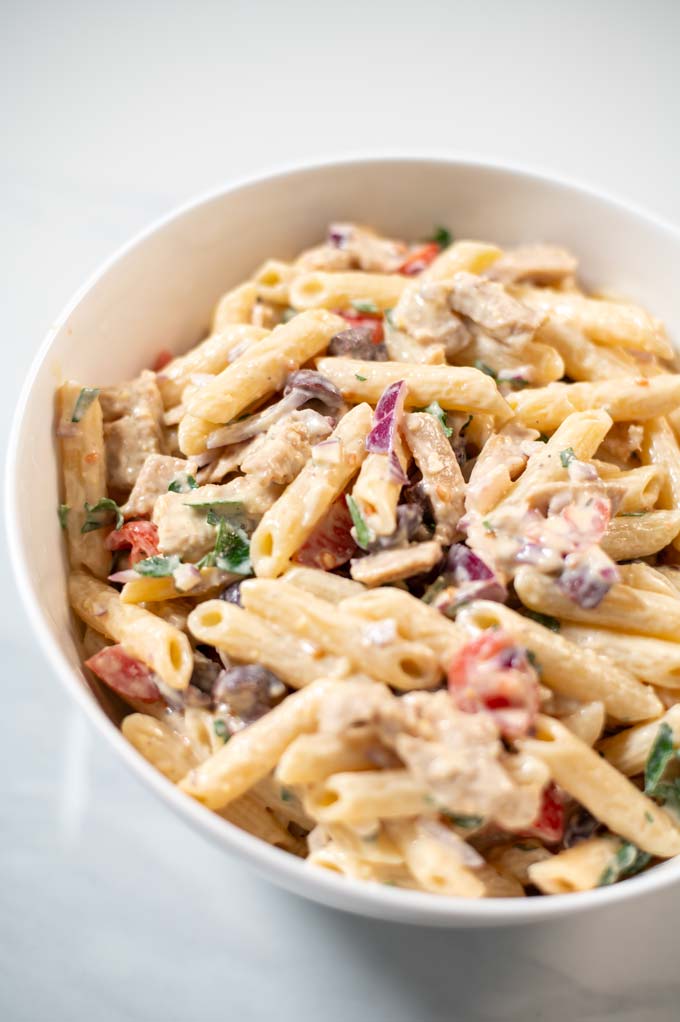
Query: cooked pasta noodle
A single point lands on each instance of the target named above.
(385, 567)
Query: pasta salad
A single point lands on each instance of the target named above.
(385, 570)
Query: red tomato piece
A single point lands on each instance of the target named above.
(330, 543)
(140, 536)
(161, 360)
(549, 824)
(129, 677)
(420, 259)
(372, 320)
(492, 674)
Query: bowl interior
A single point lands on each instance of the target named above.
(160, 290)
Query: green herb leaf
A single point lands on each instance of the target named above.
(544, 438)
(183, 485)
(484, 368)
(627, 861)
(363, 533)
(660, 755)
(443, 237)
(632, 514)
(487, 525)
(83, 402)
(232, 547)
(388, 316)
(436, 410)
(221, 730)
(157, 566)
(433, 590)
(100, 514)
(235, 507)
(286, 795)
(547, 620)
(364, 305)
(288, 314)
(361, 378)
(63, 511)
(463, 821)
(567, 456)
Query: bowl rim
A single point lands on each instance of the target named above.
(276, 865)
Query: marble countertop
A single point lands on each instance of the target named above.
(110, 908)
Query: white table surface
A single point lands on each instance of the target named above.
(110, 908)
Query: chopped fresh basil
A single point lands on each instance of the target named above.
(516, 382)
(364, 305)
(288, 314)
(525, 847)
(286, 795)
(463, 429)
(360, 377)
(487, 525)
(232, 506)
(83, 402)
(388, 316)
(660, 755)
(98, 515)
(436, 410)
(434, 589)
(157, 566)
(567, 456)
(484, 368)
(232, 547)
(221, 730)
(363, 533)
(547, 620)
(648, 817)
(543, 437)
(463, 821)
(628, 860)
(63, 511)
(632, 514)
(183, 485)
(442, 236)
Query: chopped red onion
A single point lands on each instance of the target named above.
(186, 577)
(316, 386)
(587, 579)
(125, 576)
(386, 423)
(473, 578)
(235, 432)
(339, 234)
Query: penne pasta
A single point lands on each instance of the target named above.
(386, 567)
(456, 389)
(159, 645)
(606, 793)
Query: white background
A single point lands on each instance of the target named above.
(112, 113)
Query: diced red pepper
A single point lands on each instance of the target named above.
(161, 360)
(549, 824)
(330, 543)
(127, 676)
(141, 537)
(372, 320)
(492, 674)
(420, 259)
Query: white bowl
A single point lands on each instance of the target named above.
(158, 292)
